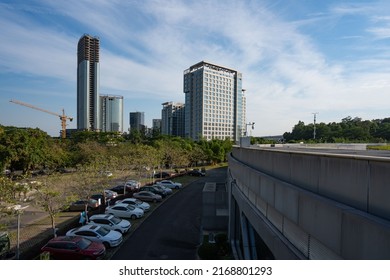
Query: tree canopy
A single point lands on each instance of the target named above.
(28, 149)
(348, 130)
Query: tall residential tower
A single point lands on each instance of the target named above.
(173, 119)
(215, 102)
(88, 83)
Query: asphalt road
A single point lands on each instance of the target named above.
(173, 230)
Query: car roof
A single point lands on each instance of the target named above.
(101, 216)
(65, 238)
(88, 227)
(145, 192)
(127, 199)
(121, 204)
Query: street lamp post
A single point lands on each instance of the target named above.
(19, 210)
(314, 125)
(246, 128)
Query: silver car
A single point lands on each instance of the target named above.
(170, 184)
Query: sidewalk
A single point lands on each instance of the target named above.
(35, 231)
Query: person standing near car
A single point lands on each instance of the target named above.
(83, 218)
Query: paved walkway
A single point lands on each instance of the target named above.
(35, 229)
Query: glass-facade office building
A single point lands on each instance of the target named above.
(215, 102)
(112, 113)
(137, 120)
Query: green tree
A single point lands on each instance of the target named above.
(52, 197)
(24, 149)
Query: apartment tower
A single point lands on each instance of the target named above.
(173, 119)
(88, 83)
(215, 102)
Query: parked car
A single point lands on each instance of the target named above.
(74, 248)
(196, 172)
(110, 222)
(123, 189)
(133, 183)
(110, 194)
(154, 190)
(109, 238)
(162, 175)
(127, 211)
(167, 190)
(147, 196)
(170, 184)
(99, 198)
(135, 202)
(79, 205)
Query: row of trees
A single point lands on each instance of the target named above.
(348, 130)
(32, 149)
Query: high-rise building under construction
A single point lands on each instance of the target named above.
(88, 83)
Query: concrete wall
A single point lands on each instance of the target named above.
(325, 206)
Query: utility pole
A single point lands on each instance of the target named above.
(314, 125)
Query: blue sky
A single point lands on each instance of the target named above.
(297, 57)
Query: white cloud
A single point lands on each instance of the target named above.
(146, 45)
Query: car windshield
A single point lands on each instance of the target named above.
(115, 220)
(83, 243)
(138, 202)
(131, 207)
(103, 231)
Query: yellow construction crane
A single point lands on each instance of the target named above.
(62, 117)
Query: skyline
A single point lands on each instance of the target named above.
(296, 57)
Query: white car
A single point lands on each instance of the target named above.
(110, 222)
(170, 184)
(109, 238)
(127, 211)
(135, 202)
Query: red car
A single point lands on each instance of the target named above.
(74, 248)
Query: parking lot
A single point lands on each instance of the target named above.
(35, 227)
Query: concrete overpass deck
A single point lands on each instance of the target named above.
(314, 203)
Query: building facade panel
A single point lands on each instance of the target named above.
(82, 99)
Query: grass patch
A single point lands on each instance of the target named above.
(379, 147)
